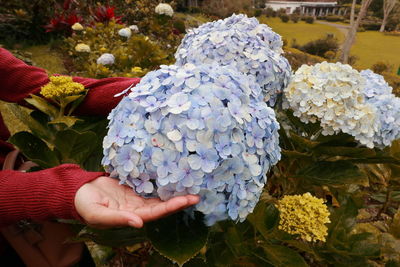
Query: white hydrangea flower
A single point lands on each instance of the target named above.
(164, 9)
(106, 59)
(77, 27)
(134, 28)
(125, 32)
(82, 48)
(332, 94)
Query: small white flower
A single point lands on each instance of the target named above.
(106, 59)
(77, 27)
(82, 48)
(164, 9)
(134, 28)
(125, 32)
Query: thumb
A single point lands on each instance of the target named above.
(104, 216)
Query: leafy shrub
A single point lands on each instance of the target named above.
(133, 56)
(371, 23)
(297, 58)
(159, 28)
(295, 18)
(270, 12)
(22, 21)
(309, 19)
(334, 18)
(280, 11)
(330, 55)
(257, 12)
(393, 33)
(381, 67)
(223, 9)
(179, 25)
(320, 46)
(361, 29)
(284, 18)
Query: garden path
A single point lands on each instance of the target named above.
(343, 28)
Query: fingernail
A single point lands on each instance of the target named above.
(134, 224)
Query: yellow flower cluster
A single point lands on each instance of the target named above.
(304, 215)
(60, 86)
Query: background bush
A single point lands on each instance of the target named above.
(320, 46)
(284, 18)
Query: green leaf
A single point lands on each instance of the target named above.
(293, 154)
(75, 147)
(67, 120)
(303, 142)
(283, 256)
(176, 238)
(42, 105)
(25, 117)
(395, 225)
(77, 102)
(264, 218)
(114, 237)
(354, 152)
(35, 149)
(68, 99)
(332, 173)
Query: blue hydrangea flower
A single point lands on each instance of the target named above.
(195, 130)
(378, 93)
(240, 42)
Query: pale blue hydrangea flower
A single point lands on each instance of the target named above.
(240, 42)
(378, 93)
(180, 131)
(125, 32)
(106, 59)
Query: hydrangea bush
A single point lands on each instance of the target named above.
(243, 43)
(195, 130)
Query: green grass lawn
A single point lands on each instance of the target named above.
(371, 47)
(301, 31)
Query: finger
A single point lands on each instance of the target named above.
(104, 216)
(157, 209)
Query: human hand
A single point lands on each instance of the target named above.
(104, 203)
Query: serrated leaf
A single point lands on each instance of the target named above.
(67, 120)
(42, 105)
(177, 239)
(282, 256)
(332, 173)
(303, 142)
(75, 147)
(264, 218)
(35, 149)
(24, 116)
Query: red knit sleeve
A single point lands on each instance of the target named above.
(41, 195)
(18, 80)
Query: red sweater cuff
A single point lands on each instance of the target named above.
(41, 195)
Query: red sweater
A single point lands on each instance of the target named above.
(49, 193)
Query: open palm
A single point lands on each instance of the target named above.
(105, 203)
